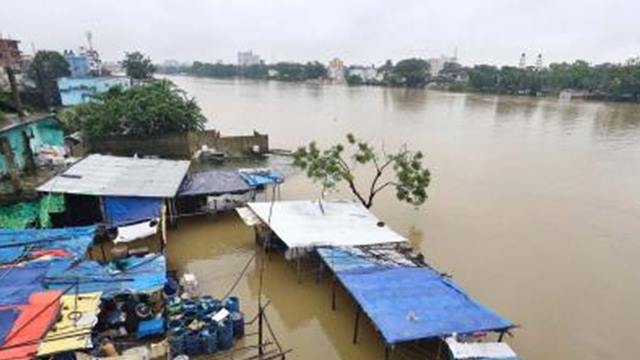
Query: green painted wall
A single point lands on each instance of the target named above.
(43, 132)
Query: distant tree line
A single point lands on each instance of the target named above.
(409, 72)
(603, 81)
(284, 71)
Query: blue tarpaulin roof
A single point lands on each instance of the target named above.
(260, 177)
(213, 183)
(139, 275)
(17, 242)
(122, 210)
(7, 318)
(17, 282)
(412, 303)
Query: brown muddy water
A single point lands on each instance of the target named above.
(534, 208)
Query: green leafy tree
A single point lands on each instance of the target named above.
(314, 70)
(402, 170)
(45, 69)
(259, 71)
(138, 66)
(213, 70)
(157, 108)
(412, 72)
(354, 80)
(484, 77)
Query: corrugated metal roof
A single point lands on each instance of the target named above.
(103, 175)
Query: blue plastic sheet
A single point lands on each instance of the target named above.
(261, 178)
(7, 318)
(138, 275)
(213, 183)
(19, 281)
(412, 303)
(123, 210)
(16, 243)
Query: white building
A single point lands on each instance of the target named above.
(368, 74)
(248, 58)
(336, 70)
(437, 64)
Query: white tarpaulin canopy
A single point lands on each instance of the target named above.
(103, 175)
(304, 224)
(480, 350)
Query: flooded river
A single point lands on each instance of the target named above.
(534, 208)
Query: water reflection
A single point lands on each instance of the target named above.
(617, 121)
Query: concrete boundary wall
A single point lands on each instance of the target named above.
(180, 145)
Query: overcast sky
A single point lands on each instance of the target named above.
(358, 31)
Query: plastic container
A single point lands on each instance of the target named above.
(232, 304)
(208, 341)
(225, 335)
(176, 342)
(189, 306)
(192, 343)
(237, 320)
(175, 325)
(215, 306)
(188, 316)
(170, 288)
(150, 328)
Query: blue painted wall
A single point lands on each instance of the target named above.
(74, 91)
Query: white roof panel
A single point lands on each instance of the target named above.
(476, 350)
(103, 175)
(303, 224)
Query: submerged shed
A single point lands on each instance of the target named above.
(120, 191)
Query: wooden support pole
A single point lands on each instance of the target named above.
(260, 314)
(10, 163)
(333, 293)
(104, 255)
(319, 272)
(355, 328)
(387, 352)
(501, 336)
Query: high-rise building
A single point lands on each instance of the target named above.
(336, 70)
(248, 58)
(437, 64)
